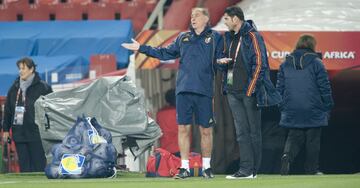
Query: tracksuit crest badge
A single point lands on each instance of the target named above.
(207, 40)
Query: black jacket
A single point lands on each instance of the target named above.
(29, 131)
(253, 51)
(305, 88)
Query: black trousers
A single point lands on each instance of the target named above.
(311, 138)
(31, 156)
(247, 120)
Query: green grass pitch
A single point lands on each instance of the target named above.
(138, 180)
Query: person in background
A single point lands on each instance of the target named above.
(307, 100)
(20, 116)
(166, 118)
(198, 50)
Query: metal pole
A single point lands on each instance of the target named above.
(159, 8)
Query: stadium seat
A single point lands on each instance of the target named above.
(113, 1)
(101, 11)
(130, 10)
(177, 8)
(102, 64)
(39, 13)
(8, 14)
(47, 2)
(17, 4)
(67, 11)
(150, 5)
(81, 2)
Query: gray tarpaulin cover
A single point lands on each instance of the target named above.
(114, 101)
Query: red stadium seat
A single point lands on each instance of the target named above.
(18, 5)
(179, 7)
(48, 2)
(81, 2)
(150, 5)
(101, 11)
(113, 1)
(39, 13)
(68, 11)
(8, 14)
(133, 10)
(117, 7)
(102, 64)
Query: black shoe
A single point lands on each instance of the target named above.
(314, 173)
(285, 165)
(207, 173)
(254, 175)
(183, 173)
(239, 175)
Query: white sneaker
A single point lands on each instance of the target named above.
(239, 175)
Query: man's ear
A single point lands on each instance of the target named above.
(207, 19)
(235, 19)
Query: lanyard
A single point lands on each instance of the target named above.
(237, 50)
(17, 97)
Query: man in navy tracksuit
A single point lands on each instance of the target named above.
(197, 50)
(307, 100)
(248, 87)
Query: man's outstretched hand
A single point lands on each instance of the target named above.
(135, 45)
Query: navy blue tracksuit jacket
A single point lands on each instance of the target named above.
(198, 54)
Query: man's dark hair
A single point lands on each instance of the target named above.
(235, 11)
(306, 41)
(170, 97)
(27, 62)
